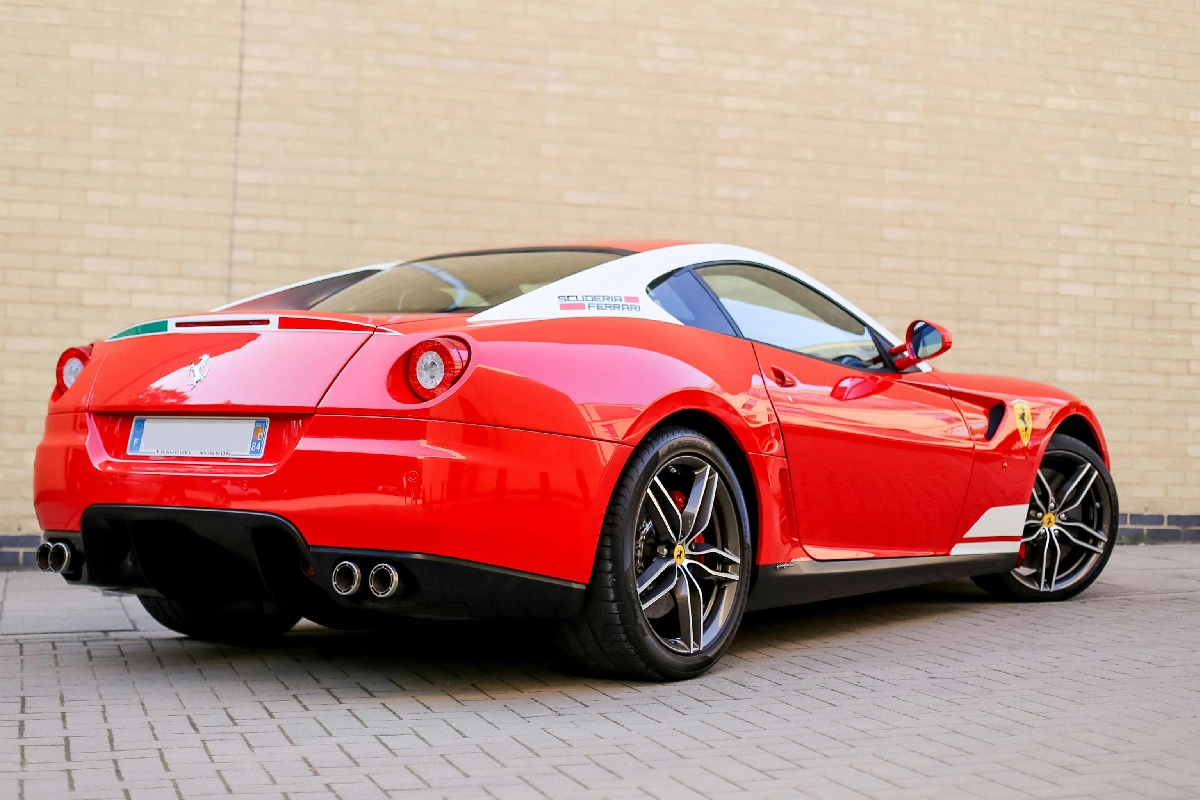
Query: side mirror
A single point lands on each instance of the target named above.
(924, 340)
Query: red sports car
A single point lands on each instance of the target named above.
(638, 440)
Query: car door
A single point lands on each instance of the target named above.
(879, 460)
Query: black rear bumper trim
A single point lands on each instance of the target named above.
(215, 556)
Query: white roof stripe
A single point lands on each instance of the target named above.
(630, 275)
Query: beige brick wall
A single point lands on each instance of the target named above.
(1026, 173)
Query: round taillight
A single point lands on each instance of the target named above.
(434, 366)
(70, 364)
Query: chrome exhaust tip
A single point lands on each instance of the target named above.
(346, 578)
(383, 580)
(43, 556)
(59, 557)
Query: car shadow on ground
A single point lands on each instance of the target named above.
(522, 653)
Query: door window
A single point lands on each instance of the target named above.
(778, 310)
(682, 296)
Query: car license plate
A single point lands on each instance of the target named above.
(198, 437)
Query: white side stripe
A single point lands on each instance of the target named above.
(999, 521)
(978, 548)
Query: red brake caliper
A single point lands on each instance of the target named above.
(680, 500)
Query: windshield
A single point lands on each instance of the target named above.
(469, 282)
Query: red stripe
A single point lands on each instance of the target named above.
(318, 324)
(572, 306)
(633, 300)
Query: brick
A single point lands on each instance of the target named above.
(1043, 184)
(1126, 535)
(20, 541)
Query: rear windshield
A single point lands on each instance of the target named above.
(460, 283)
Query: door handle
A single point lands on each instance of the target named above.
(782, 378)
(854, 387)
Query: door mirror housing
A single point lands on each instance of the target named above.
(924, 340)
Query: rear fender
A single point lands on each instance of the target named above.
(753, 425)
(754, 432)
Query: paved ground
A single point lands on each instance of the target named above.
(933, 692)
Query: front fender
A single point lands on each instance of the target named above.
(1067, 414)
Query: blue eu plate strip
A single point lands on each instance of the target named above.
(135, 440)
(259, 440)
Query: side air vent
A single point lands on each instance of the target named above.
(995, 417)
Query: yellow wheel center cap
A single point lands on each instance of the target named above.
(679, 554)
(1049, 520)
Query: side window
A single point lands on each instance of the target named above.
(778, 310)
(682, 296)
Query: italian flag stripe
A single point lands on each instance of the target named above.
(158, 326)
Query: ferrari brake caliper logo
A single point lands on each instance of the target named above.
(1024, 415)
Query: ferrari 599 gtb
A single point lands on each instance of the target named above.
(640, 441)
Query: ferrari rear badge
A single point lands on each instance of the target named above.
(1024, 415)
(197, 372)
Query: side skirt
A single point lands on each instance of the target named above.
(796, 582)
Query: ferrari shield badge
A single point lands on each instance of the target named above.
(1024, 415)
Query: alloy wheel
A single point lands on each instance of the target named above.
(688, 557)
(1069, 525)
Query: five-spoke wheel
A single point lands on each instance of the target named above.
(1070, 529)
(671, 573)
(686, 560)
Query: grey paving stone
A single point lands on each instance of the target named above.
(936, 692)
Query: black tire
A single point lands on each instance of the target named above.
(249, 624)
(1008, 586)
(612, 635)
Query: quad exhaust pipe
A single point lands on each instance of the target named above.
(383, 579)
(346, 577)
(54, 557)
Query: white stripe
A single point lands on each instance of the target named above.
(979, 548)
(997, 521)
(630, 275)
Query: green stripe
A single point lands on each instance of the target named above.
(159, 326)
